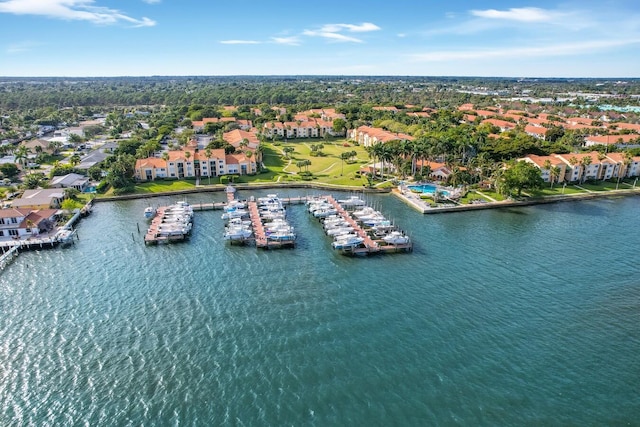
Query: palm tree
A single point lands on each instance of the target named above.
(344, 156)
(554, 174)
(207, 154)
(21, 154)
(547, 167)
(585, 162)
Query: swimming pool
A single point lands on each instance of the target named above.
(427, 188)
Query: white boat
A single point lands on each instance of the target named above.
(351, 201)
(235, 232)
(347, 241)
(396, 238)
(149, 212)
(339, 231)
(65, 236)
(235, 213)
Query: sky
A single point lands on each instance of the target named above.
(542, 38)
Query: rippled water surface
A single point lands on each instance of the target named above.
(505, 317)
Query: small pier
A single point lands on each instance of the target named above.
(357, 238)
(7, 257)
(170, 224)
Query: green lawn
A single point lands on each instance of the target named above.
(326, 168)
(602, 186)
(162, 186)
(557, 190)
(471, 196)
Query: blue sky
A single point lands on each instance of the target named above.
(355, 37)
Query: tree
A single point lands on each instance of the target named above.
(584, 163)
(74, 160)
(344, 156)
(554, 174)
(287, 151)
(21, 154)
(207, 154)
(339, 126)
(9, 170)
(521, 175)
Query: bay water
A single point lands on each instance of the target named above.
(523, 316)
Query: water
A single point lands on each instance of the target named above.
(504, 317)
(427, 188)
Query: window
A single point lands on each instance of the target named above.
(1, 220)
(1, 233)
(14, 220)
(13, 232)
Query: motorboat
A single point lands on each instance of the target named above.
(351, 201)
(396, 238)
(347, 241)
(149, 212)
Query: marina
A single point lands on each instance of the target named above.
(362, 231)
(170, 224)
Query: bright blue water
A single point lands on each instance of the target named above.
(500, 317)
(427, 188)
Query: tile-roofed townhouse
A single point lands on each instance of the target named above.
(626, 140)
(545, 172)
(466, 107)
(368, 136)
(536, 131)
(312, 128)
(502, 124)
(537, 121)
(238, 137)
(626, 171)
(239, 163)
(575, 171)
(628, 126)
(180, 165)
(486, 113)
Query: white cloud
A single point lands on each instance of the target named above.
(291, 41)
(522, 52)
(152, 1)
(362, 28)
(240, 42)
(523, 14)
(21, 47)
(333, 32)
(79, 10)
(337, 37)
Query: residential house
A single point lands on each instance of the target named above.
(25, 223)
(40, 199)
(38, 145)
(71, 180)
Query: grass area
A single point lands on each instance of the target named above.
(472, 196)
(492, 194)
(601, 186)
(161, 186)
(557, 190)
(327, 168)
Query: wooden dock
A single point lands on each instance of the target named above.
(369, 245)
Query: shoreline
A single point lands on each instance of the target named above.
(416, 204)
(421, 207)
(259, 186)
